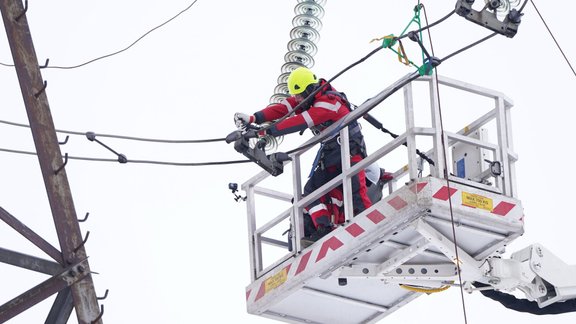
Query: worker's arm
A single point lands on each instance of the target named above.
(275, 111)
(270, 113)
(324, 109)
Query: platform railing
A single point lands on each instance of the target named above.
(441, 141)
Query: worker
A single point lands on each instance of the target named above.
(317, 112)
(525, 305)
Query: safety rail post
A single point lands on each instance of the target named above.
(255, 256)
(502, 131)
(511, 156)
(346, 181)
(411, 138)
(439, 158)
(297, 212)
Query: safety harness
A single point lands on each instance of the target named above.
(329, 152)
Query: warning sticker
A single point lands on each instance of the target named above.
(276, 280)
(477, 201)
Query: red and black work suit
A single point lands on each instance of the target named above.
(326, 108)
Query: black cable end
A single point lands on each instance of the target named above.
(122, 158)
(515, 16)
(91, 136)
(434, 61)
(233, 137)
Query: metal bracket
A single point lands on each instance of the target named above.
(487, 19)
(473, 268)
(273, 163)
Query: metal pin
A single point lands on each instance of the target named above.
(103, 297)
(23, 12)
(85, 218)
(83, 242)
(65, 141)
(63, 165)
(99, 315)
(45, 64)
(37, 94)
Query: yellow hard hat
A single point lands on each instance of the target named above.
(300, 79)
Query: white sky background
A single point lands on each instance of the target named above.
(170, 243)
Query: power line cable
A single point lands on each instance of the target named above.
(133, 138)
(117, 52)
(134, 161)
(554, 38)
(442, 135)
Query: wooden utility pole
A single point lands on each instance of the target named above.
(74, 278)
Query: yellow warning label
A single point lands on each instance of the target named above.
(276, 280)
(477, 201)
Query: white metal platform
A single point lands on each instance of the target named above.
(364, 269)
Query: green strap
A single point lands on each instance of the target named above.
(389, 42)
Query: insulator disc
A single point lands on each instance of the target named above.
(270, 142)
(290, 66)
(305, 32)
(281, 88)
(503, 6)
(320, 2)
(283, 78)
(299, 57)
(308, 21)
(309, 8)
(278, 98)
(303, 44)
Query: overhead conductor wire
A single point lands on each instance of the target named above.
(133, 138)
(554, 38)
(114, 53)
(129, 138)
(457, 261)
(134, 161)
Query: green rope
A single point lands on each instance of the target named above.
(389, 41)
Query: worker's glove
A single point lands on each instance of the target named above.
(241, 120)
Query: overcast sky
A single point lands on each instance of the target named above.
(170, 242)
